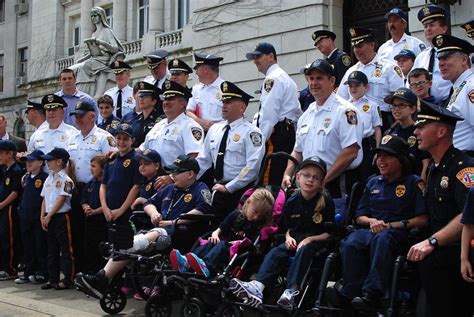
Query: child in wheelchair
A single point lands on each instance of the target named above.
(304, 214)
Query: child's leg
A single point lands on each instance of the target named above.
(301, 263)
(29, 246)
(218, 255)
(53, 252)
(8, 237)
(64, 237)
(41, 249)
(275, 262)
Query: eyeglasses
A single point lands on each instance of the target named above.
(418, 83)
(399, 106)
(312, 177)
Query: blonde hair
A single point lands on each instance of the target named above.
(263, 201)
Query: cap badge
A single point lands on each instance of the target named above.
(167, 84)
(426, 11)
(353, 74)
(50, 98)
(175, 62)
(78, 105)
(225, 87)
(177, 161)
(117, 64)
(146, 152)
(353, 32)
(386, 138)
(439, 40)
(142, 85)
(124, 126)
(313, 36)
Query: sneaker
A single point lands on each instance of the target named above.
(5, 276)
(22, 280)
(197, 264)
(37, 279)
(178, 261)
(249, 292)
(93, 285)
(287, 299)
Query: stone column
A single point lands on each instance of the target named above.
(86, 23)
(120, 19)
(156, 17)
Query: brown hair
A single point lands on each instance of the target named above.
(105, 99)
(263, 201)
(100, 159)
(66, 71)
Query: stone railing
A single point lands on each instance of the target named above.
(132, 48)
(65, 62)
(174, 38)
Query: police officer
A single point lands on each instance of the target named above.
(205, 106)
(109, 122)
(433, 19)
(397, 22)
(383, 75)
(156, 62)
(132, 116)
(453, 59)
(179, 71)
(450, 175)
(151, 108)
(35, 114)
(341, 61)
(391, 203)
(177, 134)
(279, 108)
(122, 93)
(330, 130)
(234, 148)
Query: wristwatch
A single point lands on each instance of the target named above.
(433, 241)
(404, 224)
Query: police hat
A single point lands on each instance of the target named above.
(155, 58)
(430, 13)
(321, 65)
(405, 53)
(357, 77)
(469, 27)
(82, 107)
(147, 89)
(398, 12)
(315, 161)
(36, 155)
(230, 91)
(118, 67)
(206, 59)
(394, 145)
(261, 48)
(7, 145)
(124, 128)
(360, 35)
(322, 34)
(402, 93)
(56, 154)
(448, 44)
(178, 66)
(183, 163)
(33, 105)
(172, 89)
(52, 101)
(149, 155)
(433, 113)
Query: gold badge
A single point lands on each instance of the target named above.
(353, 32)
(167, 84)
(411, 140)
(141, 86)
(386, 138)
(327, 122)
(94, 139)
(58, 184)
(398, 71)
(188, 198)
(378, 72)
(317, 218)
(366, 108)
(175, 62)
(50, 98)
(426, 11)
(126, 163)
(225, 87)
(111, 141)
(400, 190)
(236, 137)
(7, 181)
(148, 186)
(444, 182)
(439, 40)
(78, 104)
(38, 183)
(353, 74)
(346, 60)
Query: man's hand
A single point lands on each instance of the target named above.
(286, 181)
(420, 251)
(220, 188)
(162, 181)
(156, 218)
(45, 222)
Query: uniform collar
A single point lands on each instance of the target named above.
(216, 83)
(271, 69)
(450, 152)
(61, 173)
(361, 99)
(177, 119)
(332, 53)
(236, 123)
(91, 132)
(466, 74)
(61, 128)
(402, 39)
(374, 60)
(327, 106)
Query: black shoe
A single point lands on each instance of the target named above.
(335, 299)
(369, 302)
(93, 285)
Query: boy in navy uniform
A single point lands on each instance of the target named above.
(106, 108)
(10, 192)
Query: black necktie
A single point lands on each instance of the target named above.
(119, 104)
(451, 91)
(219, 169)
(432, 59)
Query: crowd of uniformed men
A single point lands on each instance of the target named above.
(420, 91)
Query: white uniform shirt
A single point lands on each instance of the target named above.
(206, 101)
(150, 79)
(369, 115)
(47, 139)
(243, 156)
(440, 87)
(390, 49)
(279, 100)
(83, 149)
(181, 136)
(323, 131)
(462, 104)
(128, 103)
(56, 185)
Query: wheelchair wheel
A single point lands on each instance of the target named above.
(113, 301)
(226, 310)
(193, 308)
(158, 306)
(422, 304)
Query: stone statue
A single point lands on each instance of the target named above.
(93, 71)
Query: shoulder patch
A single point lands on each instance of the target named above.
(68, 187)
(422, 46)
(268, 84)
(466, 176)
(471, 95)
(111, 141)
(256, 138)
(346, 60)
(197, 133)
(351, 117)
(411, 140)
(206, 194)
(398, 71)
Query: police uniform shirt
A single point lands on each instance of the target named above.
(323, 131)
(279, 100)
(171, 201)
(71, 101)
(461, 103)
(408, 134)
(31, 200)
(447, 186)
(301, 219)
(384, 77)
(369, 115)
(392, 201)
(150, 79)
(90, 194)
(236, 227)
(120, 175)
(147, 188)
(243, 156)
(47, 139)
(440, 87)
(206, 101)
(55, 186)
(341, 63)
(11, 182)
(109, 124)
(305, 98)
(143, 125)
(130, 117)
(128, 103)
(181, 136)
(82, 149)
(468, 212)
(390, 49)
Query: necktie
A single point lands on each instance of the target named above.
(219, 169)
(432, 59)
(119, 104)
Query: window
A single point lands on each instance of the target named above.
(76, 33)
(2, 11)
(19, 128)
(1, 73)
(22, 61)
(109, 16)
(183, 13)
(143, 12)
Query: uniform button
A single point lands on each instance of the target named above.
(440, 199)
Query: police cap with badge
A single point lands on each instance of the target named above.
(361, 35)
(397, 12)
(404, 94)
(172, 90)
(405, 53)
(177, 66)
(398, 147)
(33, 105)
(82, 107)
(36, 155)
(206, 59)
(448, 44)
(430, 113)
(469, 27)
(123, 128)
(56, 154)
(52, 102)
(322, 66)
(322, 34)
(183, 163)
(431, 13)
(146, 89)
(155, 58)
(261, 48)
(357, 77)
(231, 91)
(119, 67)
(8, 145)
(149, 156)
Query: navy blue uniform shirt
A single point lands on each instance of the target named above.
(90, 194)
(11, 183)
(31, 200)
(468, 212)
(130, 117)
(110, 124)
(147, 188)
(305, 98)
(143, 125)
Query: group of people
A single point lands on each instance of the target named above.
(404, 113)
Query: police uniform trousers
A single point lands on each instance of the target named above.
(368, 259)
(447, 293)
(60, 249)
(35, 248)
(10, 240)
(77, 222)
(224, 203)
(281, 140)
(366, 168)
(95, 232)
